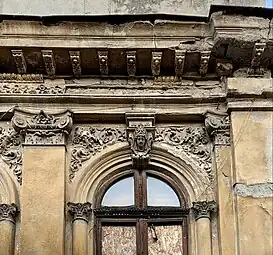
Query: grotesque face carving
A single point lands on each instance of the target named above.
(140, 142)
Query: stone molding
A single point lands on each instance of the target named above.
(79, 211)
(11, 150)
(20, 78)
(203, 209)
(42, 128)
(194, 141)
(140, 136)
(8, 212)
(88, 141)
(218, 127)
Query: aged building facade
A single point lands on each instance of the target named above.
(137, 134)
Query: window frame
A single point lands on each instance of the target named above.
(140, 215)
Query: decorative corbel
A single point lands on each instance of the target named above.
(203, 209)
(20, 61)
(218, 127)
(75, 58)
(224, 68)
(49, 62)
(255, 68)
(140, 136)
(103, 62)
(80, 211)
(42, 128)
(131, 63)
(180, 56)
(204, 62)
(8, 212)
(156, 63)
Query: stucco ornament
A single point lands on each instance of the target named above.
(203, 209)
(194, 141)
(8, 212)
(88, 141)
(11, 150)
(80, 211)
(42, 128)
(218, 127)
(140, 136)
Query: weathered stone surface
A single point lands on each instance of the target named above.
(6, 238)
(255, 225)
(252, 134)
(106, 7)
(42, 201)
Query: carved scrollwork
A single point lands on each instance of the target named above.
(203, 209)
(42, 128)
(80, 211)
(217, 125)
(88, 141)
(194, 141)
(156, 63)
(8, 212)
(204, 62)
(11, 151)
(20, 61)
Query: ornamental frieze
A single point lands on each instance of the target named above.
(11, 151)
(88, 141)
(194, 141)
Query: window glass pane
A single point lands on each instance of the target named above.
(118, 240)
(160, 194)
(120, 194)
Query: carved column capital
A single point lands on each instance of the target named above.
(140, 136)
(42, 128)
(218, 127)
(8, 212)
(80, 211)
(203, 209)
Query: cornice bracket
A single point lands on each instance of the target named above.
(131, 63)
(156, 63)
(103, 62)
(180, 56)
(255, 67)
(20, 61)
(75, 58)
(204, 62)
(49, 62)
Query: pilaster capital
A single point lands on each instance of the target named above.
(140, 136)
(8, 212)
(203, 209)
(42, 128)
(218, 127)
(80, 211)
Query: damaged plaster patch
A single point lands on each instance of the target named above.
(254, 190)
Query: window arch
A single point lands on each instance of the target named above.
(141, 212)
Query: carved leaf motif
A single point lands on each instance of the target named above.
(193, 141)
(89, 141)
(11, 151)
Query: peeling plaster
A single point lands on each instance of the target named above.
(254, 190)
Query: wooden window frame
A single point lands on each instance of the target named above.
(140, 215)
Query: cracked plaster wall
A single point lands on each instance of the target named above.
(109, 7)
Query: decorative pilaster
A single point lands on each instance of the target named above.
(80, 211)
(218, 127)
(203, 209)
(8, 212)
(42, 128)
(75, 58)
(131, 63)
(140, 136)
(156, 63)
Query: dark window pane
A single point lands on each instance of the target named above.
(160, 194)
(120, 194)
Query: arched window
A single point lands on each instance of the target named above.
(141, 213)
